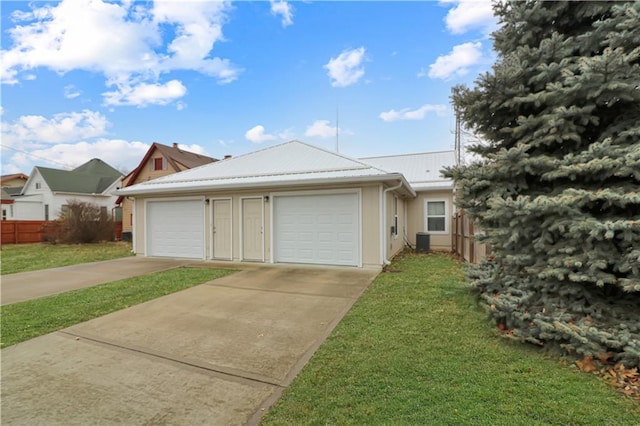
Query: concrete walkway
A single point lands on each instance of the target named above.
(216, 354)
(32, 285)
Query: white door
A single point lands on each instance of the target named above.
(221, 229)
(175, 228)
(318, 229)
(252, 221)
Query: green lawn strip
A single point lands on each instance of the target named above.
(32, 257)
(26, 320)
(417, 349)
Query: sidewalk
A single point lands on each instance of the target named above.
(35, 284)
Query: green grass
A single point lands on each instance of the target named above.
(416, 349)
(32, 257)
(26, 320)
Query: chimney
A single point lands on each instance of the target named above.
(175, 144)
(228, 156)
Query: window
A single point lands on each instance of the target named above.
(64, 210)
(435, 216)
(4, 214)
(38, 185)
(395, 216)
(46, 212)
(158, 164)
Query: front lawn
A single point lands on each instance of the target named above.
(26, 320)
(32, 257)
(417, 349)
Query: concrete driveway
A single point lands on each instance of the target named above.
(219, 353)
(35, 284)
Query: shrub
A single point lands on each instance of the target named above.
(81, 222)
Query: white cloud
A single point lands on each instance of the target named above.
(471, 14)
(415, 114)
(457, 62)
(180, 105)
(257, 135)
(145, 94)
(422, 73)
(122, 41)
(195, 148)
(283, 8)
(321, 129)
(62, 127)
(346, 69)
(118, 153)
(70, 92)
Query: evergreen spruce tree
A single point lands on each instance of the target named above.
(557, 187)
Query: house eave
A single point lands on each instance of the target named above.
(391, 177)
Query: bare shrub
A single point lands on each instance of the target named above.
(81, 222)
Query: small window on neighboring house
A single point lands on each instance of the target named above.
(38, 185)
(395, 216)
(158, 164)
(46, 212)
(436, 216)
(64, 210)
(4, 214)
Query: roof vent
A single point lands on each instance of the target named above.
(228, 156)
(175, 144)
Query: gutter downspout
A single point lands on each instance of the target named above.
(384, 221)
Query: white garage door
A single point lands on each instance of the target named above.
(175, 228)
(318, 229)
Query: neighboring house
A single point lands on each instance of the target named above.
(48, 191)
(160, 160)
(294, 203)
(11, 186)
(16, 180)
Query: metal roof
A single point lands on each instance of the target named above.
(287, 164)
(422, 170)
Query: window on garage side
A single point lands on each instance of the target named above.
(395, 216)
(435, 216)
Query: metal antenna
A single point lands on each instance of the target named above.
(337, 131)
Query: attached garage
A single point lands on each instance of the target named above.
(319, 229)
(175, 228)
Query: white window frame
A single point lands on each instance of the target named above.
(394, 208)
(446, 215)
(153, 164)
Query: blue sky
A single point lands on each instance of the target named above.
(87, 78)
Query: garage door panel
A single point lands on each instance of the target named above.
(175, 228)
(317, 229)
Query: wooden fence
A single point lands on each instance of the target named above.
(22, 231)
(32, 231)
(463, 241)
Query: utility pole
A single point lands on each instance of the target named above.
(457, 134)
